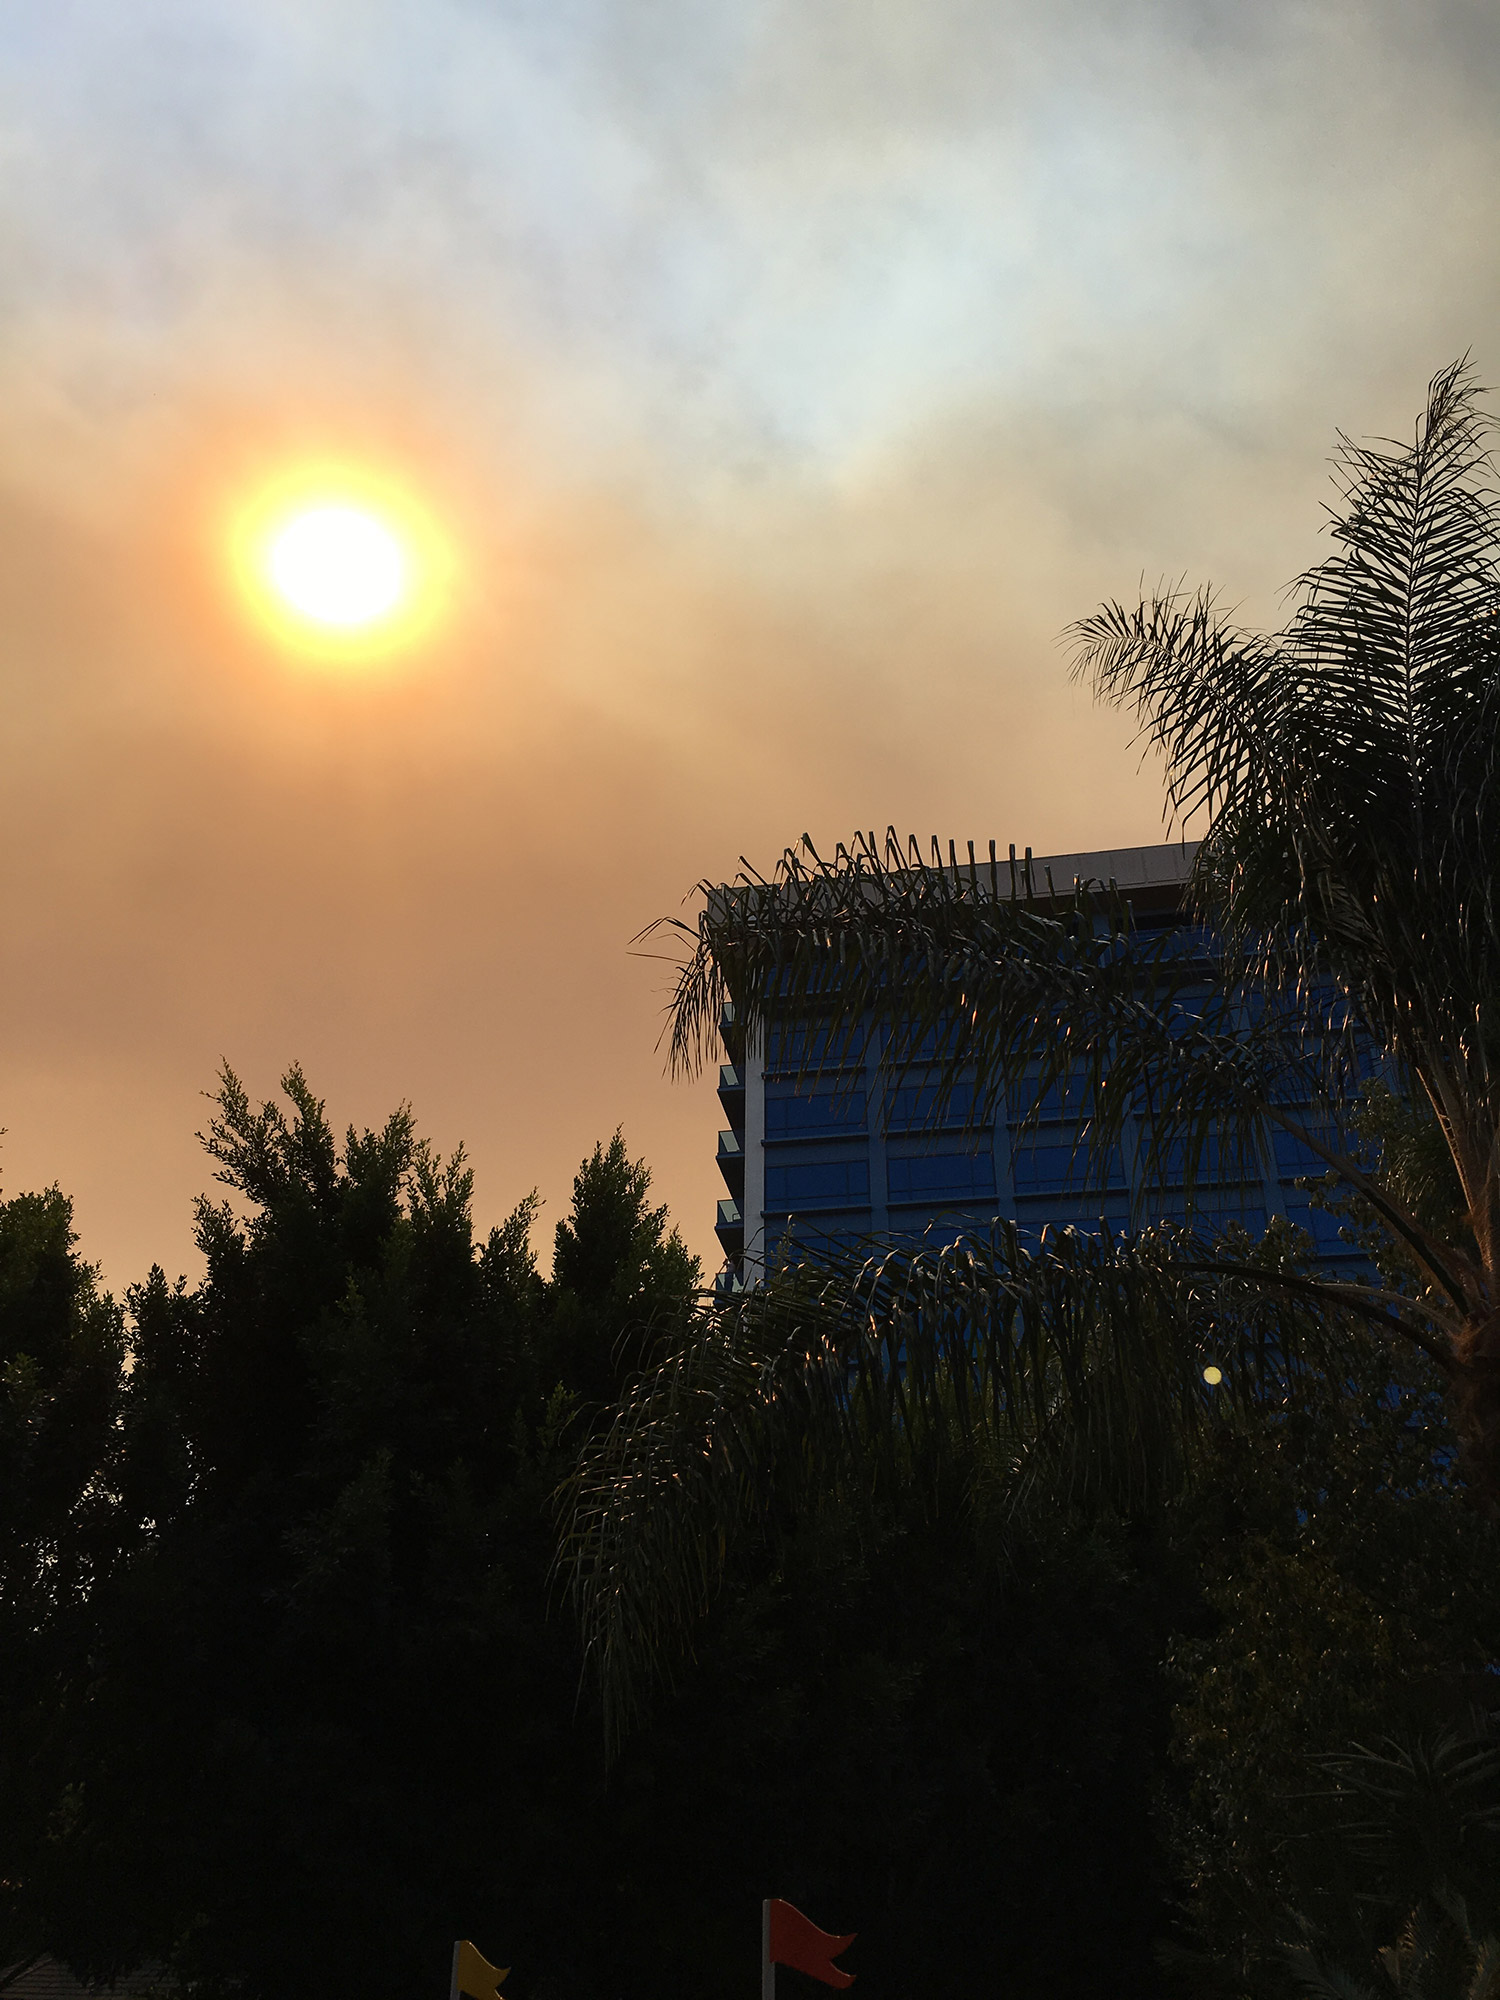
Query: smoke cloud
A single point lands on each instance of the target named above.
(786, 377)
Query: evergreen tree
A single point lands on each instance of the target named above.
(331, 1721)
(61, 1379)
(622, 1282)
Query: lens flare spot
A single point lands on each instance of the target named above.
(338, 566)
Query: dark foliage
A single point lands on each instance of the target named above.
(313, 1710)
(954, 1760)
(320, 1720)
(61, 1354)
(289, 1697)
(615, 1263)
(1347, 1599)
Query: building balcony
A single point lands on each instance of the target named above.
(732, 1163)
(729, 1032)
(730, 1229)
(732, 1094)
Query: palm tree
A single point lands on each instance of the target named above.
(1425, 1823)
(1343, 774)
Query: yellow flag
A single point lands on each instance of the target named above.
(475, 1975)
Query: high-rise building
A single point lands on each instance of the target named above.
(853, 1152)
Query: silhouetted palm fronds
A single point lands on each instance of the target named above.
(1343, 773)
(1075, 1370)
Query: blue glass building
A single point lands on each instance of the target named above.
(848, 1154)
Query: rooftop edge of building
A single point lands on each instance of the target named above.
(1165, 864)
(1152, 879)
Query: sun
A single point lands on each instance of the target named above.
(339, 565)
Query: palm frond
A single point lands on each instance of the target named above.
(1195, 682)
(1346, 773)
(1080, 1363)
(965, 978)
(1420, 1806)
(1346, 768)
(1485, 1984)
(1324, 1981)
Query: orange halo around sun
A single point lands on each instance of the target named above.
(340, 566)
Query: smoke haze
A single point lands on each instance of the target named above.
(785, 378)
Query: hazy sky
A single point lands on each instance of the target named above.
(784, 377)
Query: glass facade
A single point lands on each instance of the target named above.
(849, 1155)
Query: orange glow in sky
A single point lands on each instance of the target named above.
(745, 392)
(341, 566)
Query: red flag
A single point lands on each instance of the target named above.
(796, 1942)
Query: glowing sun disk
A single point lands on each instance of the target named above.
(341, 565)
(338, 566)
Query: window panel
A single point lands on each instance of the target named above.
(920, 1107)
(1215, 1162)
(1322, 1227)
(1206, 1212)
(797, 1046)
(1295, 1156)
(942, 1177)
(1064, 1098)
(805, 1183)
(1064, 1168)
(792, 1114)
(807, 1242)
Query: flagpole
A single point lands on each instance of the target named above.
(767, 1970)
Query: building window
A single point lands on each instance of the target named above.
(798, 1047)
(923, 1107)
(1064, 1098)
(817, 1183)
(1066, 1168)
(795, 1114)
(1322, 1226)
(1295, 1156)
(942, 1177)
(1215, 1162)
(1206, 1211)
(791, 1243)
